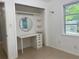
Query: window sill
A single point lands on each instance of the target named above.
(71, 34)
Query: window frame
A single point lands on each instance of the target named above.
(64, 8)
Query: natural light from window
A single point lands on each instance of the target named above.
(71, 16)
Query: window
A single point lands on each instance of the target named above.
(71, 17)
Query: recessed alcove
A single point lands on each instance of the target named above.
(36, 15)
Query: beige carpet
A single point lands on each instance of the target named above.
(45, 53)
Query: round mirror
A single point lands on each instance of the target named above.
(25, 24)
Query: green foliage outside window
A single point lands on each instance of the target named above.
(72, 17)
(72, 14)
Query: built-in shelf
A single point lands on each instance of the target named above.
(28, 13)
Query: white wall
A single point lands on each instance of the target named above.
(56, 29)
(11, 29)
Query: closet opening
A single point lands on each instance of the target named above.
(30, 27)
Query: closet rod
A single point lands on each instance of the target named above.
(22, 12)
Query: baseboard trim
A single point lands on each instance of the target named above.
(70, 52)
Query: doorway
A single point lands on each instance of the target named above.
(3, 47)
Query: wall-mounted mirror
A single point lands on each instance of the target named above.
(25, 24)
